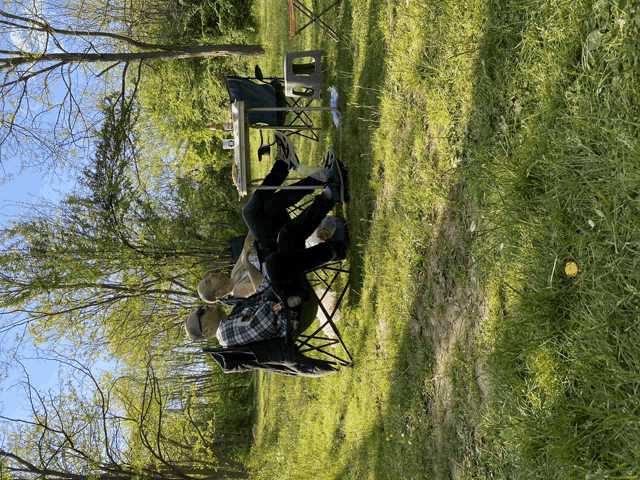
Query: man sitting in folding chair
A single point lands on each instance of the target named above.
(285, 288)
(246, 274)
(265, 214)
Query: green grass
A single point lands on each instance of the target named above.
(489, 143)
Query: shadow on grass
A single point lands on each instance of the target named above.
(360, 117)
(438, 430)
(432, 435)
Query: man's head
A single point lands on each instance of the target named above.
(214, 286)
(203, 322)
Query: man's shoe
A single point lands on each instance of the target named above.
(287, 153)
(338, 182)
(329, 160)
(323, 172)
(340, 240)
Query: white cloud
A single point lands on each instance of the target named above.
(30, 41)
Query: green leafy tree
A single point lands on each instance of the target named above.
(115, 264)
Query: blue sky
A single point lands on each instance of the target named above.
(43, 375)
(25, 187)
(18, 187)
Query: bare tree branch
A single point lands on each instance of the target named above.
(39, 124)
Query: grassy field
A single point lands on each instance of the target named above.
(489, 144)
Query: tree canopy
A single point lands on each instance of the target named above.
(110, 271)
(118, 255)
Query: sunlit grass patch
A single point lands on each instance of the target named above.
(563, 175)
(487, 143)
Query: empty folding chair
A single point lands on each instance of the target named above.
(314, 18)
(269, 93)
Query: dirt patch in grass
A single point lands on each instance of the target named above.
(449, 314)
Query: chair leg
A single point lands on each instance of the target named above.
(302, 118)
(313, 18)
(316, 341)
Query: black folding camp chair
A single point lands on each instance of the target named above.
(330, 277)
(314, 18)
(327, 278)
(318, 348)
(317, 340)
(312, 354)
(273, 355)
(260, 92)
(300, 118)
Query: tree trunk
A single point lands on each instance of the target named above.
(176, 54)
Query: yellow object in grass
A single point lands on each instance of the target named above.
(571, 269)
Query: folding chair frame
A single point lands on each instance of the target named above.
(313, 18)
(301, 124)
(327, 275)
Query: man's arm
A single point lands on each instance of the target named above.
(246, 247)
(255, 275)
